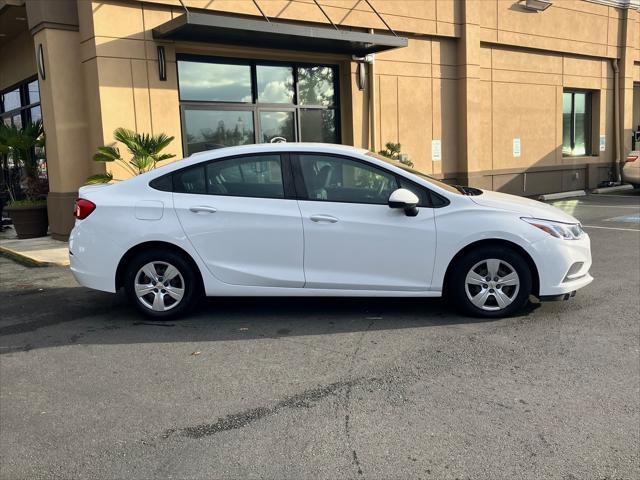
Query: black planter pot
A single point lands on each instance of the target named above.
(29, 221)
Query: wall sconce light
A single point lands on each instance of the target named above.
(537, 5)
(361, 76)
(40, 61)
(162, 64)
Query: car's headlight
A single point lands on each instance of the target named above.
(566, 231)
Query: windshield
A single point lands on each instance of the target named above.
(418, 173)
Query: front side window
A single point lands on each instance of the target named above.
(226, 102)
(576, 124)
(337, 179)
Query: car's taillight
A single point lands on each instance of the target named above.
(631, 158)
(83, 208)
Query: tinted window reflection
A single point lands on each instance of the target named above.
(277, 124)
(343, 180)
(315, 86)
(582, 121)
(254, 176)
(214, 82)
(209, 129)
(566, 124)
(275, 84)
(318, 126)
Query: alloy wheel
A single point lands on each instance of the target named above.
(159, 286)
(492, 284)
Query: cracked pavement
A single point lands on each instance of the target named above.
(322, 388)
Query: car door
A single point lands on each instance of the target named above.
(352, 239)
(237, 214)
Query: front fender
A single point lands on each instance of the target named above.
(486, 224)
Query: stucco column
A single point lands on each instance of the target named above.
(629, 50)
(54, 26)
(469, 91)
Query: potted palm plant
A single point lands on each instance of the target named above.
(28, 214)
(144, 149)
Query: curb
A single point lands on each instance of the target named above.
(617, 188)
(558, 196)
(26, 260)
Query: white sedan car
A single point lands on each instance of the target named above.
(319, 220)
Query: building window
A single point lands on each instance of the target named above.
(20, 104)
(226, 102)
(576, 123)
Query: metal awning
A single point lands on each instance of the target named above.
(214, 28)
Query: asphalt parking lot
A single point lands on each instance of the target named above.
(327, 388)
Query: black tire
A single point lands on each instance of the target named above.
(457, 286)
(187, 277)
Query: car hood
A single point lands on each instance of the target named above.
(524, 206)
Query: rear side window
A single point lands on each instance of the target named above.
(251, 176)
(257, 176)
(163, 183)
(190, 180)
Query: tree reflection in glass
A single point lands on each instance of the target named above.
(209, 129)
(315, 86)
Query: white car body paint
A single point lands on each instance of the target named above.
(286, 247)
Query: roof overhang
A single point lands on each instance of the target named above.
(213, 28)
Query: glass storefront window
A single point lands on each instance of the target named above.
(277, 126)
(576, 123)
(566, 124)
(275, 84)
(36, 114)
(11, 100)
(210, 89)
(209, 129)
(33, 91)
(21, 104)
(316, 86)
(214, 82)
(317, 126)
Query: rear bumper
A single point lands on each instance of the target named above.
(631, 172)
(91, 263)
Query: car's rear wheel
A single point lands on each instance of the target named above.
(491, 282)
(161, 285)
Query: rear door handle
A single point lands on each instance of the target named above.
(202, 209)
(323, 218)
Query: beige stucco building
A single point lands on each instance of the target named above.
(488, 93)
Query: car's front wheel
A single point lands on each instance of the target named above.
(491, 282)
(160, 284)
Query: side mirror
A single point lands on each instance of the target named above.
(405, 199)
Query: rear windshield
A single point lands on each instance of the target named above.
(418, 173)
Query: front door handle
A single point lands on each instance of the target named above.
(202, 209)
(323, 218)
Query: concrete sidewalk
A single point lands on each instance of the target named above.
(34, 252)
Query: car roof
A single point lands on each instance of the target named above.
(280, 147)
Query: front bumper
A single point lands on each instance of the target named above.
(563, 265)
